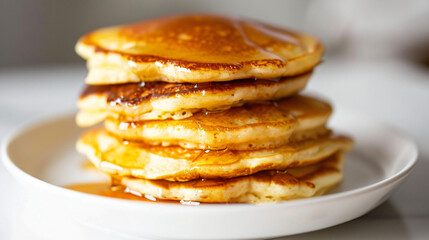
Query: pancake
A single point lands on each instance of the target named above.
(250, 127)
(266, 186)
(173, 163)
(196, 48)
(159, 100)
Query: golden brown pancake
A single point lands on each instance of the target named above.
(196, 48)
(266, 186)
(159, 100)
(203, 108)
(126, 158)
(250, 127)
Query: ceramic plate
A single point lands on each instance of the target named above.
(42, 158)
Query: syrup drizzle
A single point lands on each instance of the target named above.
(106, 189)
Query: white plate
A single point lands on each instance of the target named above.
(42, 157)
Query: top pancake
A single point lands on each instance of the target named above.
(196, 48)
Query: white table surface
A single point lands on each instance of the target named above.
(390, 90)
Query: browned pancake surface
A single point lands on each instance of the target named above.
(160, 100)
(135, 93)
(197, 48)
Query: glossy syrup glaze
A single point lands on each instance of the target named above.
(199, 41)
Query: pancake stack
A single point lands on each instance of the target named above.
(206, 108)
